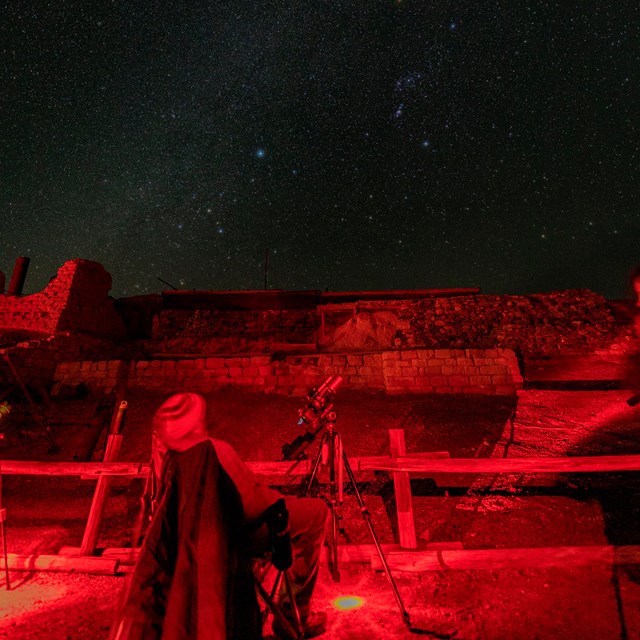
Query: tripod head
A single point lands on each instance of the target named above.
(319, 409)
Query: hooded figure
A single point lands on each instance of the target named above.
(193, 579)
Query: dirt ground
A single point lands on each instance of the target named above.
(478, 512)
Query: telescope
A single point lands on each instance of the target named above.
(319, 407)
(317, 415)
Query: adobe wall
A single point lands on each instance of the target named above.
(484, 371)
(570, 322)
(213, 331)
(76, 299)
(36, 360)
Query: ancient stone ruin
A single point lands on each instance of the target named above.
(441, 341)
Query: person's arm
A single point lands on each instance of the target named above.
(256, 497)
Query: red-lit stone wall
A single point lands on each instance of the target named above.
(576, 321)
(212, 331)
(36, 360)
(76, 299)
(486, 371)
(72, 318)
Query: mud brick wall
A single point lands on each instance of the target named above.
(36, 360)
(574, 321)
(569, 322)
(76, 299)
(491, 371)
(213, 331)
(35, 363)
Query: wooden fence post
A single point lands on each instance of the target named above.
(402, 486)
(112, 451)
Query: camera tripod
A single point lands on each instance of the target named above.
(337, 462)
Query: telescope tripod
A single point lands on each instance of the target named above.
(337, 461)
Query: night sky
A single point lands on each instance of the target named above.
(370, 144)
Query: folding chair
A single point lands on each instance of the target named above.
(277, 520)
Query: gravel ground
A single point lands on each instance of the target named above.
(477, 512)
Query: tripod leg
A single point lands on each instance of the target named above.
(367, 518)
(334, 569)
(339, 457)
(316, 464)
(328, 440)
(333, 505)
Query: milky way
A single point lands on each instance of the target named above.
(368, 145)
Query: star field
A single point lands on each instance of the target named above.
(370, 145)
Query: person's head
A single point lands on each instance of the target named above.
(179, 424)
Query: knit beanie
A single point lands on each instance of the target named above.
(180, 422)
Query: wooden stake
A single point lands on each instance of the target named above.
(114, 443)
(402, 486)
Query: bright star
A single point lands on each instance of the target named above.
(261, 153)
(426, 144)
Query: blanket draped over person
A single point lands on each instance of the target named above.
(194, 577)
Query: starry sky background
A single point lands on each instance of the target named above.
(370, 144)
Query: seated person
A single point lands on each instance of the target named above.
(179, 424)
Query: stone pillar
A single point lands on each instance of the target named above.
(18, 276)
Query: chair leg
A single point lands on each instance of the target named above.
(294, 606)
(294, 629)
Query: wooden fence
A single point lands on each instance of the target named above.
(400, 465)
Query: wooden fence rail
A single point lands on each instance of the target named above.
(443, 557)
(417, 463)
(400, 465)
(492, 559)
(582, 464)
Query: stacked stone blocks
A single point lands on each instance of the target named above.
(485, 371)
(75, 300)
